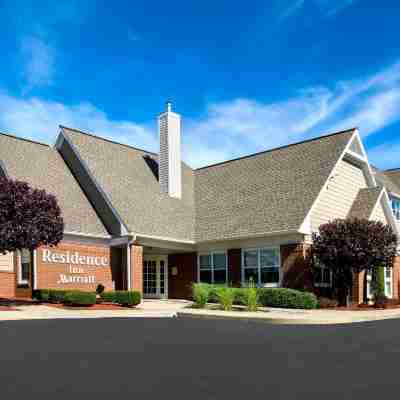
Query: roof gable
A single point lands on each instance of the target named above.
(129, 178)
(42, 167)
(265, 193)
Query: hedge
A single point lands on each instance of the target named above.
(287, 298)
(79, 298)
(123, 297)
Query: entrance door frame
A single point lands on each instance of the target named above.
(157, 259)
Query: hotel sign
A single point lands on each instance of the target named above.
(76, 273)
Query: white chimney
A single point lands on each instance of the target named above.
(169, 163)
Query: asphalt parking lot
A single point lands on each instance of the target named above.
(188, 358)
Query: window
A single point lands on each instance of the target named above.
(322, 275)
(24, 270)
(388, 282)
(261, 266)
(213, 268)
(395, 207)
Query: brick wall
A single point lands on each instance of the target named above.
(235, 267)
(49, 274)
(137, 268)
(295, 264)
(7, 284)
(179, 286)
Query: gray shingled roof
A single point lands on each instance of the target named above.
(394, 176)
(42, 167)
(384, 179)
(267, 192)
(128, 177)
(364, 203)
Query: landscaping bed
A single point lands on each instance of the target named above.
(88, 300)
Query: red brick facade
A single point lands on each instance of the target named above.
(137, 268)
(185, 266)
(295, 264)
(235, 267)
(7, 284)
(82, 276)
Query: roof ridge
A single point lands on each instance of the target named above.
(278, 148)
(106, 140)
(24, 139)
(392, 169)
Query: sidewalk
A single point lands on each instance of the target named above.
(293, 316)
(147, 309)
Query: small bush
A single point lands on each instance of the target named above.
(100, 289)
(126, 298)
(109, 297)
(287, 298)
(79, 298)
(250, 298)
(325, 302)
(225, 296)
(56, 295)
(201, 294)
(41, 294)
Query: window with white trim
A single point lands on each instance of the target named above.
(261, 266)
(213, 267)
(388, 282)
(322, 275)
(24, 268)
(395, 207)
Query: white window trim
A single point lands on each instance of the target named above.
(394, 197)
(258, 249)
(369, 284)
(21, 281)
(211, 253)
(324, 284)
(388, 280)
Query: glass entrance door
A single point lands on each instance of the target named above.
(155, 277)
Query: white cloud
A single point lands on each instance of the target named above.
(39, 60)
(38, 119)
(328, 8)
(386, 155)
(231, 128)
(331, 8)
(291, 9)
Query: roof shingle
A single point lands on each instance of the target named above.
(42, 167)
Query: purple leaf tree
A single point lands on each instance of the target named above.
(29, 218)
(349, 246)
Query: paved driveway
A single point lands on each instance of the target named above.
(188, 358)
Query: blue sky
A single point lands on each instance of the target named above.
(244, 76)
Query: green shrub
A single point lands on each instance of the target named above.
(109, 297)
(225, 296)
(79, 298)
(249, 297)
(41, 294)
(127, 298)
(56, 295)
(287, 298)
(201, 294)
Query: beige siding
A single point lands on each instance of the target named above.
(338, 196)
(379, 214)
(6, 262)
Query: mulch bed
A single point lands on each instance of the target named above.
(8, 308)
(363, 307)
(94, 307)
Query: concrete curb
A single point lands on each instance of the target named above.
(273, 317)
